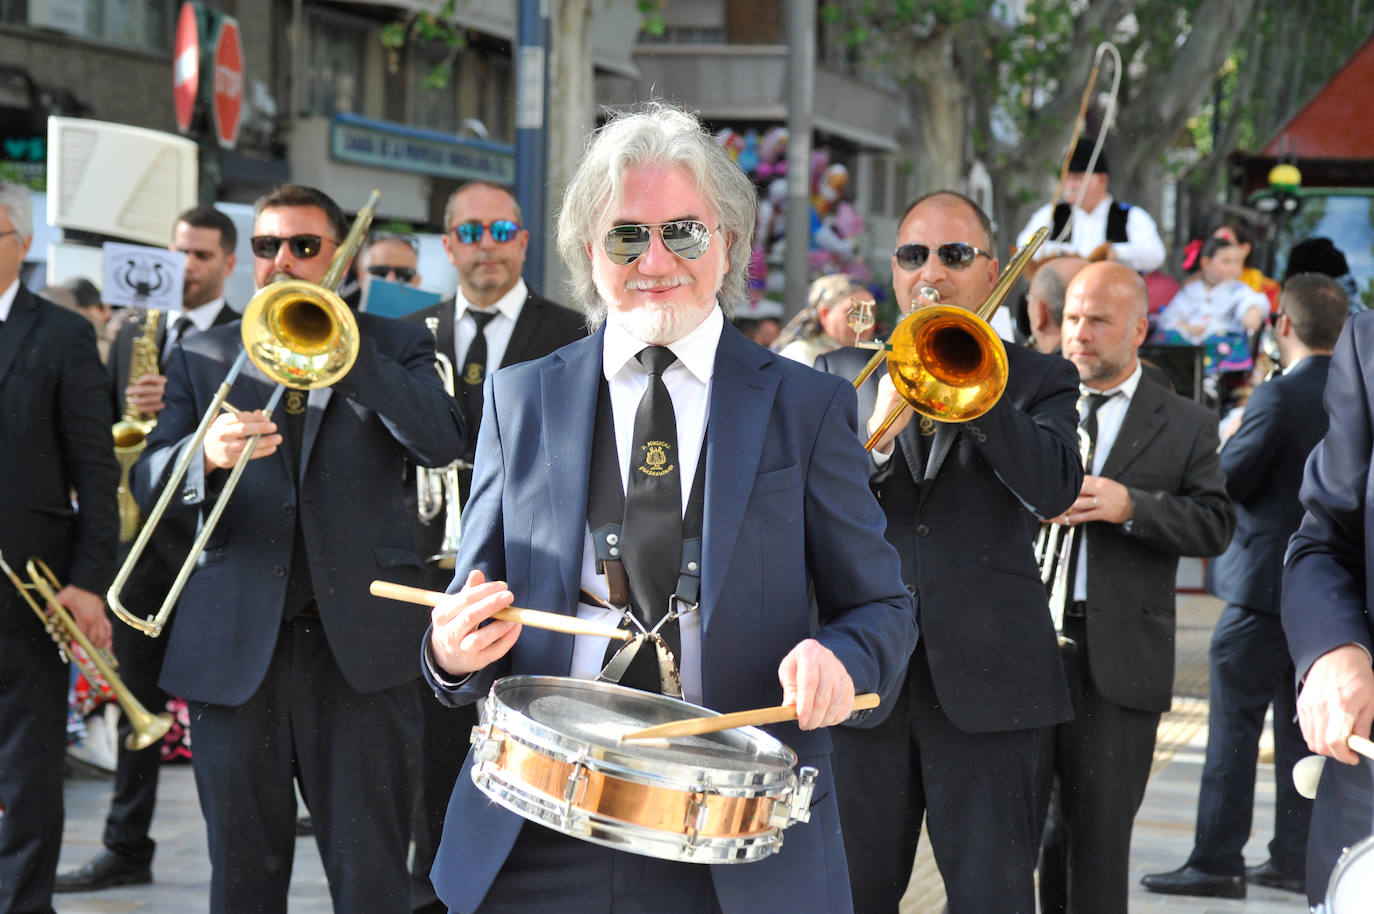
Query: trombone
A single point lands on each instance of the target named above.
(99, 666)
(947, 362)
(298, 334)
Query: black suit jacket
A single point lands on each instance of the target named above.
(1263, 462)
(1328, 594)
(357, 436)
(965, 526)
(54, 440)
(1166, 456)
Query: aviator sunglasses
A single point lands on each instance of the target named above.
(502, 230)
(687, 238)
(403, 274)
(302, 246)
(956, 255)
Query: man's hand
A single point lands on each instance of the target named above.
(1099, 499)
(228, 434)
(146, 393)
(460, 642)
(88, 611)
(888, 399)
(1337, 699)
(814, 680)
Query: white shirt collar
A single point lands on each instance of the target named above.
(204, 316)
(7, 299)
(1126, 388)
(508, 304)
(696, 351)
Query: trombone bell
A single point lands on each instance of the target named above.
(300, 334)
(947, 363)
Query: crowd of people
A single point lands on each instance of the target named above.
(762, 533)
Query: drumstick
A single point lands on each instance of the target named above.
(534, 618)
(1308, 771)
(694, 726)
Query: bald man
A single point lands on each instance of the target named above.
(1153, 491)
(1045, 300)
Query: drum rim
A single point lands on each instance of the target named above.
(1359, 850)
(775, 761)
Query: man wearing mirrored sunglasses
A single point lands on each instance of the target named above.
(961, 501)
(486, 244)
(291, 671)
(392, 256)
(748, 455)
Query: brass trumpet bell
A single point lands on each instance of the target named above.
(947, 363)
(300, 334)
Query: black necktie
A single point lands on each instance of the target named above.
(652, 529)
(1094, 403)
(475, 371)
(180, 328)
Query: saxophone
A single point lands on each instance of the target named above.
(131, 432)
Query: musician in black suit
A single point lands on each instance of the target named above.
(1153, 491)
(54, 441)
(1250, 667)
(207, 237)
(961, 501)
(291, 671)
(485, 242)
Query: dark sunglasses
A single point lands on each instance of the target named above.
(502, 230)
(404, 274)
(956, 255)
(687, 238)
(302, 246)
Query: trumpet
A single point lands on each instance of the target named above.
(98, 665)
(437, 487)
(947, 362)
(300, 335)
(1054, 549)
(131, 432)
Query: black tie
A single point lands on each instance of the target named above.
(180, 328)
(475, 370)
(1094, 403)
(652, 528)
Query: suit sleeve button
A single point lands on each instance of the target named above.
(279, 571)
(922, 530)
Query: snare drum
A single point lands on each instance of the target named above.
(1352, 881)
(548, 749)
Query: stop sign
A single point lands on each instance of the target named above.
(185, 67)
(227, 100)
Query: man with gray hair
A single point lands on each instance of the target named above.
(605, 469)
(55, 441)
(1045, 300)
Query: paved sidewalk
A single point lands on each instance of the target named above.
(1162, 840)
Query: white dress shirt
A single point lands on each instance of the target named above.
(7, 299)
(1110, 415)
(202, 319)
(1142, 251)
(689, 384)
(498, 331)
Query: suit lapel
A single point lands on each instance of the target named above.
(568, 390)
(23, 317)
(1143, 421)
(315, 404)
(742, 394)
(523, 331)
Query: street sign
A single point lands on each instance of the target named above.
(186, 67)
(227, 101)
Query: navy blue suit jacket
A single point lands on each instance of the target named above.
(1263, 462)
(1328, 594)
(787, 505)
(357, 436)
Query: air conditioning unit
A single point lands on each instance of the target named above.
(119, 181)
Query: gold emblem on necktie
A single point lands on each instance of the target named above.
(656, 459)
(474, 374)
(927, 426)
(295, 402)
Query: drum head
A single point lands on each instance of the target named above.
(575, 712)
(1352, 881)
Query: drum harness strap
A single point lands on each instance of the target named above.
(605, 512)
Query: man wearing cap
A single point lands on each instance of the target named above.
(1089, 222)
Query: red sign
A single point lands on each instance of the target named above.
(227, 102)
(185, 67)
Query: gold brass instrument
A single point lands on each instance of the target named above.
(1053, 549)
(98, 665)
(436, 488)
(131, 431)
(300, 335)
(947, 362)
